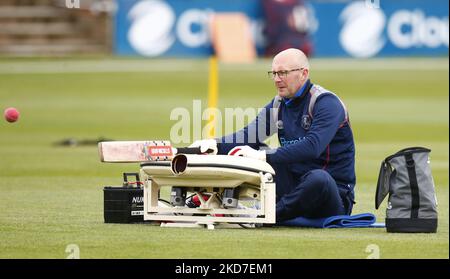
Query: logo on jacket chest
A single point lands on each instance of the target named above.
(306, 122)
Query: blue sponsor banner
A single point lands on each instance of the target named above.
(366, 28)
(381, 28)
(175, 27)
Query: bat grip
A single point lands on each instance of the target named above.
(192, 150)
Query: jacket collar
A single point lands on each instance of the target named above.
(301, 93)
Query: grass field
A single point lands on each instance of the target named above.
(51, 197)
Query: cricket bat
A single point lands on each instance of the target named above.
(141, 151)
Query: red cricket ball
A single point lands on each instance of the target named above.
(11, 114)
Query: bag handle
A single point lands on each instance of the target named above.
(414, 149)
(408, 150)
(126, 183)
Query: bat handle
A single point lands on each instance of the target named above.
(192, 150)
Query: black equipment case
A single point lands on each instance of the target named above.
(124, 204)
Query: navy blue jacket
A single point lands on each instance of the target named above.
(323, 141)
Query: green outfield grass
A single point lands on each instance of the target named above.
(51, 197)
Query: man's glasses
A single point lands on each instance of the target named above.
(281, 74)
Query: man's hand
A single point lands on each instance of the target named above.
(249, 152)
(205, 145)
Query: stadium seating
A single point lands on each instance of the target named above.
(48, 27)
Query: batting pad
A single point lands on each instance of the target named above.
(363, 220)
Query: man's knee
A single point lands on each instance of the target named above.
(319, 179)
(315, 197)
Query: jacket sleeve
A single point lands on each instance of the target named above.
(328, 114)
(254, 134)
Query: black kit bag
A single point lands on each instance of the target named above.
(412, 204)
(124, 204)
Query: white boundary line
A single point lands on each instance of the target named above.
(185, 65)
